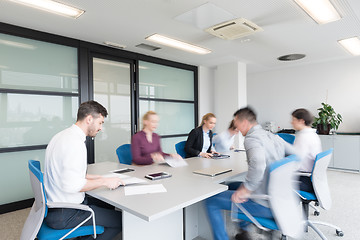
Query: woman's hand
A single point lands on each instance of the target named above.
(205, 155)
(157, 157)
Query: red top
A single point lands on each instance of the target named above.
(141, 148)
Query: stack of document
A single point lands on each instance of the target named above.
(128, 180)
(175, 162)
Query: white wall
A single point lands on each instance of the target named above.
(275, 94)
(229, 94)
(205, 91)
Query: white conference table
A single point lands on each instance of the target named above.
(161, 215)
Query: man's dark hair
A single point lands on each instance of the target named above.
(246, 113)
(92, 108)
(303, 114)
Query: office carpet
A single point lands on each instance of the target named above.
(345, 212)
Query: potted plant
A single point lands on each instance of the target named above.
(327, 119)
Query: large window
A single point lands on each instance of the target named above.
(39, 97)
(169, 91)
(112, 89)
(44, 77)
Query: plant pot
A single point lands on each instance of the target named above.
(323, 131)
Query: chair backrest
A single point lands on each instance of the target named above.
(287, 137)
(284, 202)
(319, 178)
(180, 148)
(39, 209)
(124, 154)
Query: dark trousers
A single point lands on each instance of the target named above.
(105, 215)
(306, 184)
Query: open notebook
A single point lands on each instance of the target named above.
(212, 171)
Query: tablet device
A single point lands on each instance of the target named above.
(159, 175)
(220, 156)
(123, 170)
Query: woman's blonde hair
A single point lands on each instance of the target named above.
(206, 117)
(147, 116)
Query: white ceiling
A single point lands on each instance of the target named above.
(287, 29)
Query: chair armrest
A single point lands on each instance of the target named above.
(259, 196)
(299, 195)
(69, 205)
(305, 174)
(75, 206)
(239, 206)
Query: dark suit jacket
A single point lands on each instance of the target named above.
(194, 142)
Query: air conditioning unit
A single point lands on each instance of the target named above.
(234, 29)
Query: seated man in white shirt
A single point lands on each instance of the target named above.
(307, 145)
(224, 141)
(65, 177)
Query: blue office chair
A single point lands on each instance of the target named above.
(284, 203)
(35, 226)
(287, 137)
(124, 154)
(180, 148)
(321, 192)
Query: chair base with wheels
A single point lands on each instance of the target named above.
(306, 198)
(321, 194)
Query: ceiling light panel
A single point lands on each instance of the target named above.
(322, 11)
(53, 7)
(177, 44)
(352, 45)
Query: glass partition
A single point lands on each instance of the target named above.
(175, 118)
(35, 65)
(26, 121)
(170, 92)
(15, 177)
(159, 81)
(39, 97)
(112, 90)
(168, 144)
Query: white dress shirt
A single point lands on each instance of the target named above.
(224, 141)
(206, 141)
(307, 145)
(65, 166)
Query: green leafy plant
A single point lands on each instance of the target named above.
(327, 116)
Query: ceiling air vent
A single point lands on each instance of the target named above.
(234, 29)
(147, 47)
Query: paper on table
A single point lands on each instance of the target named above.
(126, 179)
(144, 189)
(175, 162)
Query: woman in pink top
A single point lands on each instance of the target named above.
(145, 145)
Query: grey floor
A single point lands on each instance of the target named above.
(345, 212)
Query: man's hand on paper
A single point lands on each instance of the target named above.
(112, 182)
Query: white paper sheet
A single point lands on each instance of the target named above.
(175, 162)
(144, 189)
(126, 179)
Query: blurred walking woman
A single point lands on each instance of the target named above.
(145, 145)
(199, 142)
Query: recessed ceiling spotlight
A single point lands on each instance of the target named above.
(114, 45)
(53, 7)
(291, 57)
